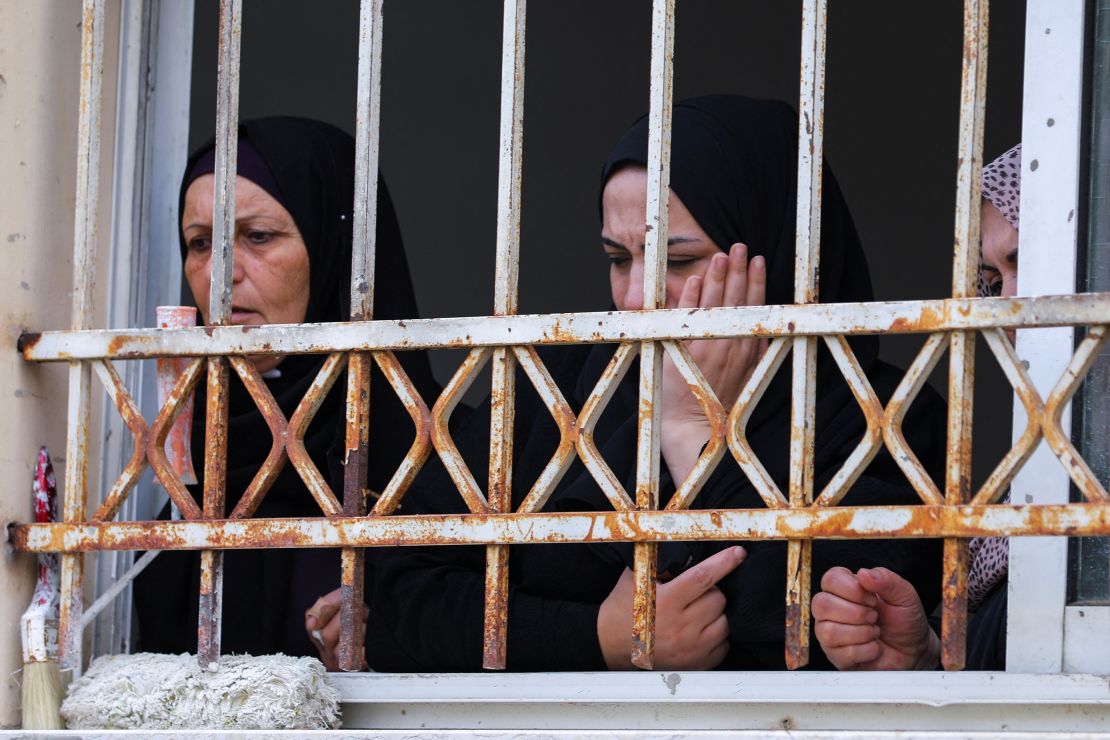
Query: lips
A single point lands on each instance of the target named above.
(242, 315)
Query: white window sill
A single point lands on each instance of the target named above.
(926, 701)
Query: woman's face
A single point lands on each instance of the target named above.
(1000, 251)
(623, 232)
(271, 270)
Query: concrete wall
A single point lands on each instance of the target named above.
(40, 44)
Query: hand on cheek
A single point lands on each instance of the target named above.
(726, 364)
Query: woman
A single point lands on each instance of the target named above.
(292, 257)
(733, 188)
(874, 619)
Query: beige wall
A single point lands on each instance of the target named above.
(40, 46)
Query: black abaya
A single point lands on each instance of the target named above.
(733, 165)
(266, 592)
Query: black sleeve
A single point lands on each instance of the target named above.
(756, 590)
(427, 615)
(427, 603)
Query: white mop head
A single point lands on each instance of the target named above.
(171, 692)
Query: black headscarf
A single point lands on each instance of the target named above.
(265, 592)
(734, 167)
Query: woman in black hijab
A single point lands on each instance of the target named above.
(733, 183)
(295, 187)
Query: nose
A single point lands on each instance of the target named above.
(634, 291)
(238, 270)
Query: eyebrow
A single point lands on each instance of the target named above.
(238, 217)
(672, 241)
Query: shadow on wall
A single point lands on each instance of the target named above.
(892, 107)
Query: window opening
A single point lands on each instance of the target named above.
(799, 514)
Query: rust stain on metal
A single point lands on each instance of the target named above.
(352, 619)
(27, 341)
(878, 522)
(953, 639)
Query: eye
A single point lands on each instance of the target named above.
(256, 236)
(617, 259)
(200, 243)
(677, 263)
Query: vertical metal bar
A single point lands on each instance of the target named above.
(360, 364)
(502, 395)
(219, 312)
(655, 296)
(811, 125)
(961, 367)
(80, 373)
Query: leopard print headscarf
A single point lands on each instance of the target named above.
(1001, 186)
(990, 556)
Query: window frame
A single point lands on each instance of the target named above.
(1038, 625)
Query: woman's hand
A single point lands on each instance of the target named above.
(691, 630)
(873, 621)
(726, 363)
(321, 622)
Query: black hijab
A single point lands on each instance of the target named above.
(734, 167)
(311, 166)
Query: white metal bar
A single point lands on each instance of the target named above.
(502, 392)
(654, 296)
(961, 359)
(807, 257)
(903, 317)
(1052, 155)
(360, 365)
(829, 522)
(227, 149)
(80, 375)
(367, 138)
(219, 313)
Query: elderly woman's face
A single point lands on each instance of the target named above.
(623, 232)
(271, 270)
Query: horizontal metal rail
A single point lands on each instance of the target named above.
(895, 317)
(841, 522)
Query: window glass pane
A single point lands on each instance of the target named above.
(1091, 556)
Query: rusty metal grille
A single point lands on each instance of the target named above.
(798, 514)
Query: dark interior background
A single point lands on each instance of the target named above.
(892, 107)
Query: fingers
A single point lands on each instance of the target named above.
(889, 586)
(702, 577)
(757, 282)
(322, 612)
(716, 631)
(842, 582)
(713, 289)
(691, 292)
(831, 608)
(836, 635)
(850, 657)
(736, 287)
